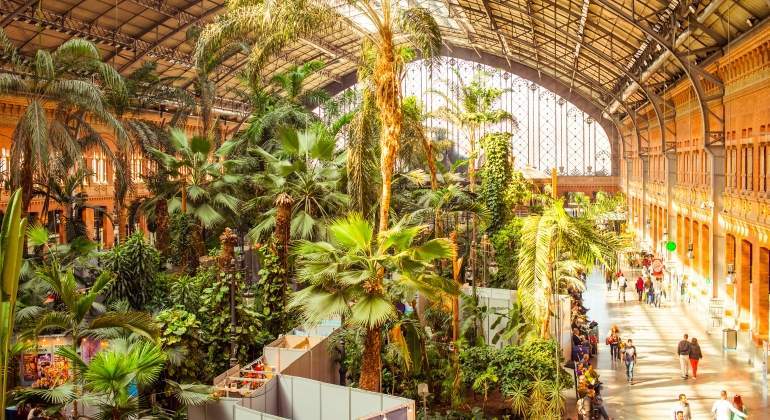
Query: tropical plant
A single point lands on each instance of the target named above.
(112, 382)
(72, 80)
(506, 243)
(199, 184)
(344, 278)
(65, 188)
(134, 263)
(473, 111)
(496, 175)
(11, 251)
(552, 237)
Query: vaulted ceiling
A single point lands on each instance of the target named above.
(597, 49)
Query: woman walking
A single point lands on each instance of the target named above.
(695, 356)
(613, 339)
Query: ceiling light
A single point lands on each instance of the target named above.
(749, 22)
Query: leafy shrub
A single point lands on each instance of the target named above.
(180, 334)
(507, 242)
(528, 375)
(496, 176)
(135, 264)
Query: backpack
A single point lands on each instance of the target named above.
(629, 353)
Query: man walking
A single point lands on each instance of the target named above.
(682, 408)
(622, 283)
(640, 287)
(724, 410)
(629, 356)
(683, 351)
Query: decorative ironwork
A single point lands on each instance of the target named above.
(548, 132)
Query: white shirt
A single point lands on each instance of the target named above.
(622, 281)
(722, 409)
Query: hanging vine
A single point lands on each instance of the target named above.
(496, 175)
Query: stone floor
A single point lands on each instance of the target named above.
(655, 332)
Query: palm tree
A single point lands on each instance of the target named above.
(57, 78)
(344, 278)
(301, 177)
(199, 185)
(553, 246)
(472, 110)
(65, 188)
(105, 382)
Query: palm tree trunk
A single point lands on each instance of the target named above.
(371, 365)
(162, 238)
(388, 98)
(472, 160)
(122, 223)
(282, 233)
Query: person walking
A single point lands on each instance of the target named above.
(640, 287)
(682, 406)
(656, 291)
(608, 279)
(613, 339)
(738, 404)
(629, 357)
(622, 284)
(695, 356)
(683, 351)
(724, 410)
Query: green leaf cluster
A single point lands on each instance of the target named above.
(135, 265)
(496, 175)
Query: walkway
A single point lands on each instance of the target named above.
(655, 332)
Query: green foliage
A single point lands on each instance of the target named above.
(135, 264)
(496, 176)
(272, 292)
(528, 375)
(519, 190)
(180, 333)
(507, 242)
(11, 250)
(216, 331)
(182, 248)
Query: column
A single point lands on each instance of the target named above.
(743, 284)
(108, 230)
(88, 221)
(645, 210)
(759, 292)
(718, 267)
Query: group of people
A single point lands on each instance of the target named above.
(722, 409)
(649, 289)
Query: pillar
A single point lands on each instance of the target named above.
(743, 284)
(687, 241)
(717, 249)
(645, 160)
(88, 221)
(704, 259)
(759, 292)
(731, 304)
(108, 230)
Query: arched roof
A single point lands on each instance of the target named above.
(594, 48)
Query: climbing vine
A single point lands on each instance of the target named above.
(496, 175)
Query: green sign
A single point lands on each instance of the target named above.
(671, 246)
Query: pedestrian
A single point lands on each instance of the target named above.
(656, 293)
(598, 404)
(683, 289)
(640, 287)
(629, 356)
(738, 404)
(723, 410)
(695, 356)
(622, 283)
(613, 339)
(683, 351)
(608, 280)
(682, 407)
(584, 408)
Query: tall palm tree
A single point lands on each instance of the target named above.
(344, 278)
(56, 78)
(553, 245)
(199, 184)
(473, 111)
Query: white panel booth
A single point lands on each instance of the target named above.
(295, 398)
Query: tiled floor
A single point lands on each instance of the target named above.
(655, 332)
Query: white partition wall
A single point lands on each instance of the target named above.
(499, 301)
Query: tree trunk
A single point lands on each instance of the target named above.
(472, 160)
(388, 98)
(371, 365)
(162, 236)
(122, 223)
(282, 233)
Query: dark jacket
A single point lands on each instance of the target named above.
(695, 352)
(683, 348)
